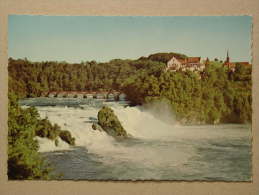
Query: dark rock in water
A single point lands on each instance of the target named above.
(47, 130)
(110, 123)
(67, 137)
(56, 142)
(95, 126)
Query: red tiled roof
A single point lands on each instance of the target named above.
(189, 60)
(193, 59)
(230, 64)
(243, 63)
(233, 64)
(182, 61)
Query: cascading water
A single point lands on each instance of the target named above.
(160, 149)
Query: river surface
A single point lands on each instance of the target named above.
(159, 150)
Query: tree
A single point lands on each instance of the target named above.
(24, 162)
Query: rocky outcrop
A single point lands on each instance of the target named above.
(46, 130)
(67, 137)
(109, 122)
(95, 126)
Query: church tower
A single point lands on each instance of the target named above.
(227, 61)
(207, 61)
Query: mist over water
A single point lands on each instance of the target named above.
(160, 149)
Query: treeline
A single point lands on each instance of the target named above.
(215, 95)
(163, 57)
(32, 79)
(28, 79)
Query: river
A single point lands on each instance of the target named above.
(159, 150)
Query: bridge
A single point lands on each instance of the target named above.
(108, 95)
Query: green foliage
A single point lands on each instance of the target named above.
(212, 96)
(215, 64)
(164, 57)
(24, 162)
(110, 123)
(52, 132)
(46, 129)
(29, 79)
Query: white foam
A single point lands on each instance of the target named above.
(47, 145)
(137, 122)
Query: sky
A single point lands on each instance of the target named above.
(102, 38)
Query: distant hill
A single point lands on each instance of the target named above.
(163, 57)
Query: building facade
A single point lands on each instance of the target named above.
(190, 63)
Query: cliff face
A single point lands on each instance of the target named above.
(110, 123)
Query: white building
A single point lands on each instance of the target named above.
(190, 63)
(173, 64)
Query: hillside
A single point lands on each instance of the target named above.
(214, 95)
(164, 57)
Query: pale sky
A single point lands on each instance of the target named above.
(102, 38)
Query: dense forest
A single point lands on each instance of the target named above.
(215, 95)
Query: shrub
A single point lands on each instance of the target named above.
(24, 161)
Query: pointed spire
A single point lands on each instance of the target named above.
(227, 59)
(207, 61)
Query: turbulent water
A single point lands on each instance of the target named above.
(159, 150)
